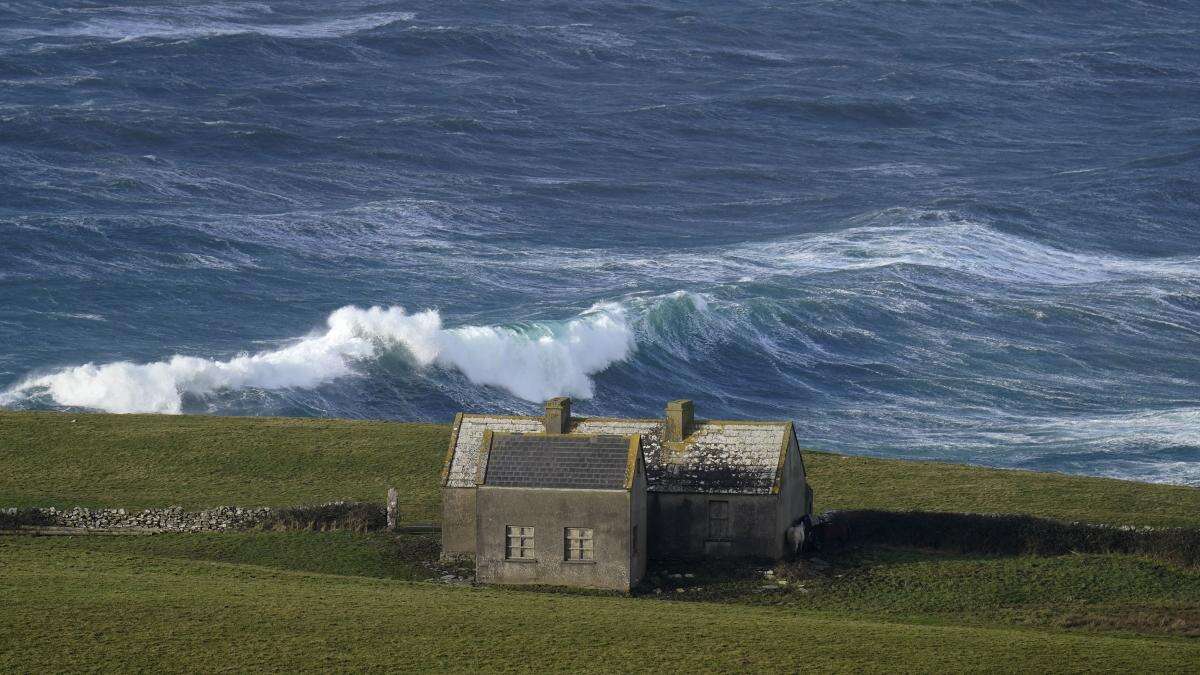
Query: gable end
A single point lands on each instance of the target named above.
(789, 432)
(635, 456)
(458, 417)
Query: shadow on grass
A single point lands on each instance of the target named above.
(1002, 534)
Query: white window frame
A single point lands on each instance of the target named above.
(519, 543)
(579, 544)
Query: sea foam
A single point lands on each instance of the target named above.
(890, 238)
(533, 361)
(130, 24)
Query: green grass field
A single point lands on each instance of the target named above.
(137, 461)
(134, 604)
(337, 600)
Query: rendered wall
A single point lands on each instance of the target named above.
(458, 522)
(637, 518)
(679, 526)
(549, 511)
(793, 489)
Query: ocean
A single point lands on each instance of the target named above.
(952, 230)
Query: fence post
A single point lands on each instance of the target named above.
(392, 512)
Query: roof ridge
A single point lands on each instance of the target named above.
(726, 456)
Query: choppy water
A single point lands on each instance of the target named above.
(955, 230)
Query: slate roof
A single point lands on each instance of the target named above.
(730, 457)
(558, 461)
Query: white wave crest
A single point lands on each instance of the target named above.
(532, 361)
(1135, 445)
(125, 25)
(929, 239)
(1174, 427)
(962, 246)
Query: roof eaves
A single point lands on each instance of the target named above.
(755, 423)
(777, 484)
(458, 418)
(485, 449)
(635, 451)
(618, 419)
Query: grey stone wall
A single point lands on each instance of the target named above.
(549, 511)
(169, 519)
(639, 526)
(679, 526)
(793, 489)
(458, 522)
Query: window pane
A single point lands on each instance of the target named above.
(718, 519)
(577, 543)
(518, 542)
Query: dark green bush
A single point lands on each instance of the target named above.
(1008, 535)
(354, 516)
(29, 517)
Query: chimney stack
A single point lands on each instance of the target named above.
(558, 415)
(679, 420)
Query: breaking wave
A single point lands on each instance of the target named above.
(533, 361)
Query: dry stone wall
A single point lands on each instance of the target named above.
(169, 519)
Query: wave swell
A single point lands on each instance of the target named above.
(533, 361)
(125, 25)
(929, 239)
(940, 240)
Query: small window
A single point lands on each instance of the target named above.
(718, 520)
(520, 543)
(577, 543)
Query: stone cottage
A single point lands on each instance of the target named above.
(693, 489)
(563, 509)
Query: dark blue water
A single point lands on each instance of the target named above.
(955, 230)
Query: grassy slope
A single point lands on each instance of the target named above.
(1105, 592)
(179, 600)
(1110, 592)
(136, 461)
(375, 555)
(116, 610)
(155, 460)
(843, 482)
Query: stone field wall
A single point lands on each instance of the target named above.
(169, 519)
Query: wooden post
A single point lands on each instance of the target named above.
(392, 512)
